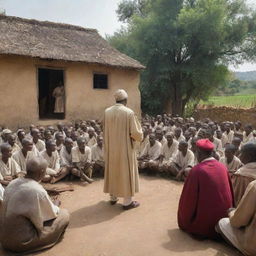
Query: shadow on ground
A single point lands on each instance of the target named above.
(94, 214)
(183, 242)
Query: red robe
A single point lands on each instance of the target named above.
(207, 195)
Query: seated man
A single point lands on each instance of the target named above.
(181, 163)
(237, 143)
(150, 156)
(59, 139)
(54, 172)
(81, 158)
(160, 136)
(144, 142)
(246, 173)
(21, 157)
(239, 228)
(98, 162)
(31, 222)
(178, 134)
(9, 169)
(11, 138)
(247, 134)
(232, 162)
(169, 149)
(39, 145)
(65, 154)
(92, 138)
(206, 195)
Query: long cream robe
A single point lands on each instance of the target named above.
(121, 130)
(241, 179)
(241, 225)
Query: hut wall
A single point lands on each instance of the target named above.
(19, 90)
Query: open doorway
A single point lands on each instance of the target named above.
(51, 96)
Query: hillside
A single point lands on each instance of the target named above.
(246, 76)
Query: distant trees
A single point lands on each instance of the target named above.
(185, 45)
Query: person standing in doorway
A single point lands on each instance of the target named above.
(121, 130)
(59, 95)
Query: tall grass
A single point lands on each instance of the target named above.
(238, 101)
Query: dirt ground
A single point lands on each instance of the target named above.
(99, 229)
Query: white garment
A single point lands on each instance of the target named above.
(1, 192)
(184, 161)
(65, 157)
(97, 153)
(169, 152)
(53, 162)
(9, 169)
(153, 152)
(79, 158)
(21, 160)
(246, 139)
(233, 166)
(40, 145)
(58, 93)
(91, 142)
(180, 138)
(28, 198)
(229, 136)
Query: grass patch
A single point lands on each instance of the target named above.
(238, 101)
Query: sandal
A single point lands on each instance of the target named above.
(133, 204)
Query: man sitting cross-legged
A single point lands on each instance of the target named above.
(98, 157)
(81, 158)
(169, 149)
(239, 228)
(206, 194)
(150, 156)
(247, 173)
(66, 155)
(232, 162)
(31, 222)
(182, 162)
(21, 157)
(54, 172)
(9, 169)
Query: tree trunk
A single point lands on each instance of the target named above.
(177, 100)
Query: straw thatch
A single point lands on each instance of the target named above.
(48, 40)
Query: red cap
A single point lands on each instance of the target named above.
(205, 144)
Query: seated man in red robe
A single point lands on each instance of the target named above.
(207, 194)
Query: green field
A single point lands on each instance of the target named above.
(238, 101)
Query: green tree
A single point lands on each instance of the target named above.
(185, 46)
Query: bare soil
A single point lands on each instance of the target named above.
(99, 229)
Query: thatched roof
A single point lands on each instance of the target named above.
(49, 40)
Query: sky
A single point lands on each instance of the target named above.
(98, 14)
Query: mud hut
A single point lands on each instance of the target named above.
(37, 56)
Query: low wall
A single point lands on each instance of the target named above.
(220, 114)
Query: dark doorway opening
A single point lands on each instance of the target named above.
(51, 96)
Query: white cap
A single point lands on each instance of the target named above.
(120, 95)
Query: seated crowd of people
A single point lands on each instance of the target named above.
(69, 151)
(169, 148)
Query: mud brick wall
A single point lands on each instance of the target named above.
(220, 114)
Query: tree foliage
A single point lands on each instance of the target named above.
(185, 46)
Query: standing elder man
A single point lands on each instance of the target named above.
(121, 130)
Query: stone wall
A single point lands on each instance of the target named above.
(221, 114)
